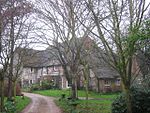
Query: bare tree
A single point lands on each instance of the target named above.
(62, 19)
(117, 23)
(14, 30)
(17, 30)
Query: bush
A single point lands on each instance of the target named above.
(140, 102)
(44, 85)
(35, 87)
(119, 106)
(10, 107)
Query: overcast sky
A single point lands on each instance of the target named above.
(40, 46)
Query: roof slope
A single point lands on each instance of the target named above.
(99, 61)
(100, 67)
(35, 58)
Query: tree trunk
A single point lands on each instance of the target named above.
(128, 99)
(1, 74)
(87, 82)
(87, 89)
(14, 89)
(98, 86)
(2, 95)
(12, 45)
(9, 89)
(74, 89)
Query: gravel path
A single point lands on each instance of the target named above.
(41, 104)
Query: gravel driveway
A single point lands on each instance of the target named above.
(41, 104)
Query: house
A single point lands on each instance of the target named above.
(107, 78)
(42, 65)
(102, 77)
(38, 66)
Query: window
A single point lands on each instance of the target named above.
(107, 82)
(139, 81)
(118, 81)
(31, 69)
(56, 68)
(30, 81)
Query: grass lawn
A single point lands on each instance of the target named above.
(21, 103)
(53, 93)
(83, 106)
(100, 104)
(81, 93)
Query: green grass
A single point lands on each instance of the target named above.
(21, 103)
(90, 106)
(81, 93)
(100, 104)
(98, 95)
(53, 93)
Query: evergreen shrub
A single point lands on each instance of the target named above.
(140, 101)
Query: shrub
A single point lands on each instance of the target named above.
(146, 82)
(10, 107)
(141, 99)
(119, 106)
(46, 85)
(35, 87)
(140, 102)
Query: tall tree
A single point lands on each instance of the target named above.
(17, 11)
(62, 20)
(143, 54)
(13, 33)
(117, 23)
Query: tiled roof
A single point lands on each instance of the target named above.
(36, 58)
